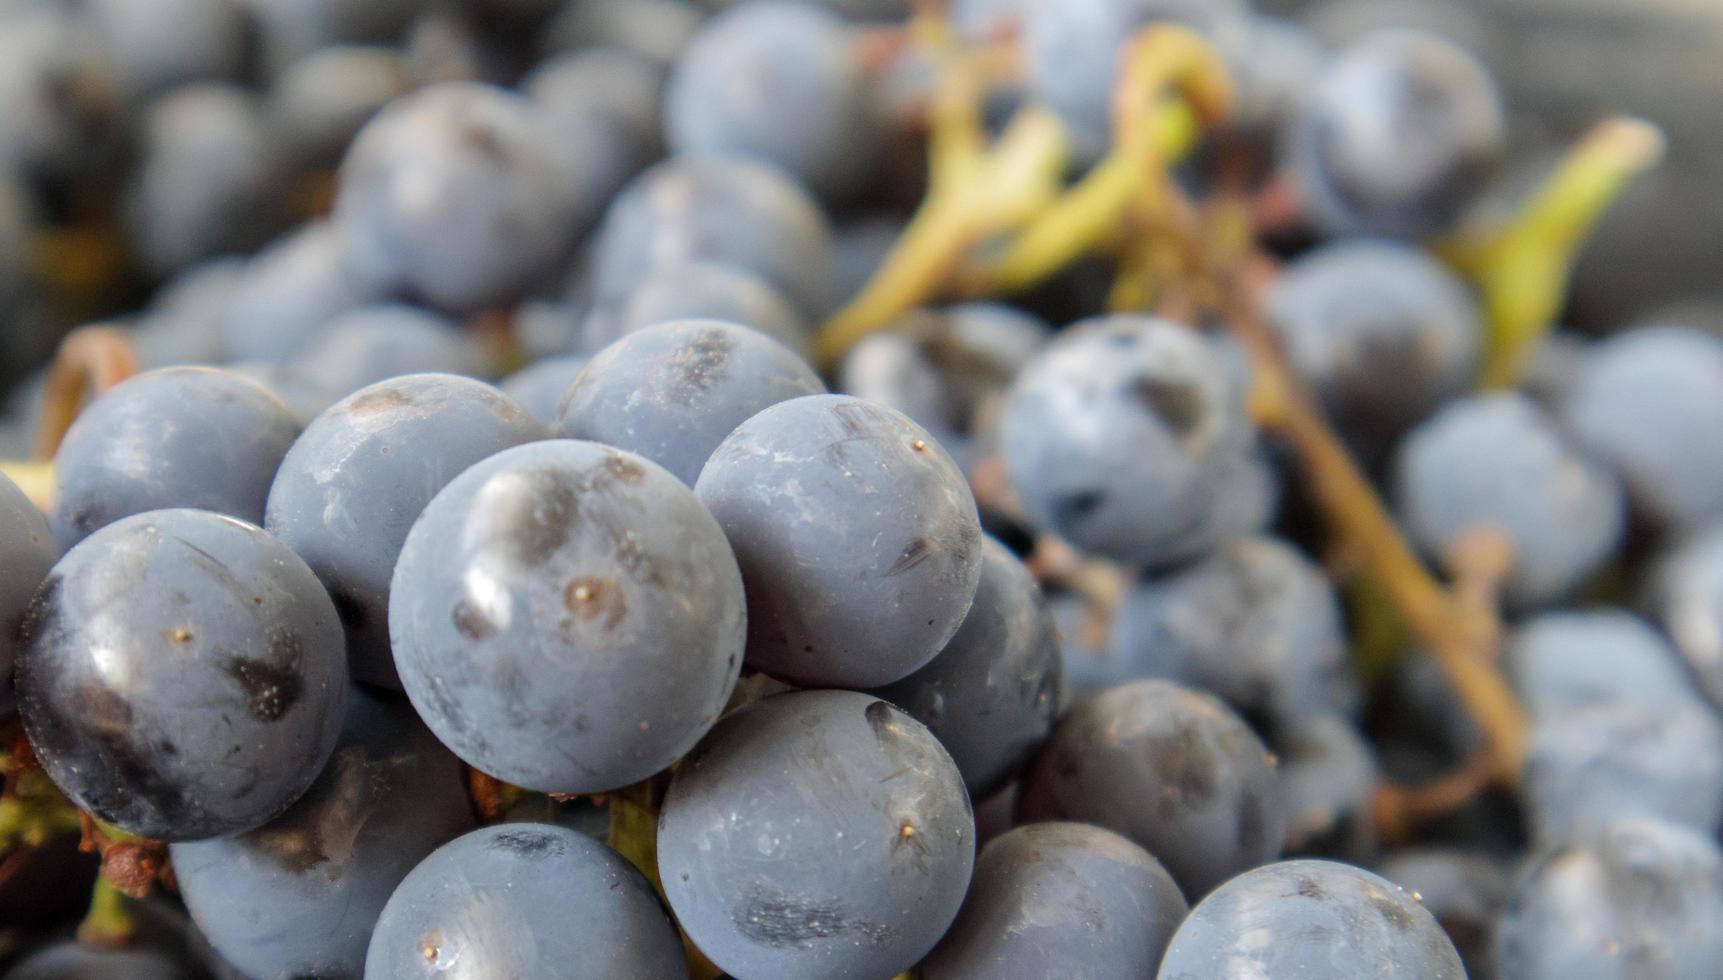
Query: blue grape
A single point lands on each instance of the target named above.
(1647, 402)
(183, 675)
(1170, 768)
(609, 100)
(891, 369)
(1060, 899)
(299, 896)
(859, 248)
(1560, 661)
(60, 107)
(1609, 760)
(1383, 333)
(857, 537)
(289, 30)
(1256, 624)
(304, 396)
(1310, 919)
(656, 30)
(1328, 781)
(176, 437)
(289, 293)
(991, 693)
(1136, 381)
(321, 102)
(1088, 662)
(496, 903)
(460, 194)
(351, 487)
(1687, 595)
(209, 180)
(374, 343)
(548, 327)
(782, 83)
(696, 290)
(71, 961)
(186, 321)
(27, 552)
(539, 386)
(154, 45)
(732, 212)
(567, 617)
(1466, 891)
(1073, 50)
(1274, 63)
(1494, 462)
(1396, 137)
(673, 392)
(1554, 368)
(1639, 899)
(854, 869)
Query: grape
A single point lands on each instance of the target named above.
(186, 320)
(1273, 62)
(1328, 779)
(1310, 919)
(154, 45)
(608, 100)
(1170, 768)
(208, 181)
(1465, 891)
(1494, 462)
(320, 103)
(1639, 899)
(1060, 899)
(567, 617)
(289, 293)
(990, 694)
(1646, 402)
(539, 386)
(657, 30)
(27, 552)
(176, 437)
(291, 29)
(672, 392)
(525, 900)
(1608, 760)
(891, 369)
(1073, 50)
(57, 111)
(1554, 368)
(375, 343)
(182, 675)
(819, 833)
(857, 537)
(1088, 664)
(859, 248)
(696, 290)
(1560, 661)
(731, 212)
(70, 961)
(350, 489)
(461, 194)
(1688, 597)
(305, 397)
(444, 46)
(1383, 333)
(300, 895)
(1396, 136)
(782, 83)
(1256, 623)
(1137, 381)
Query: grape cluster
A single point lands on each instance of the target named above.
(855, 489)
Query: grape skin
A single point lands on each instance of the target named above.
(183, 675)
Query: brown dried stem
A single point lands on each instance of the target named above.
(90, 359)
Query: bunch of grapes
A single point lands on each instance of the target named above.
(972, 490)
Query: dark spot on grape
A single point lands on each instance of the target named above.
(179, 636)
(1398, 917)
(699, 365)
(641, 565)
(773, 918)
(1074, 507)
(532, 513)
(914, 553)
(527, 843)
(471, 623)
(624, 469)
(271, 690)
(1178, 405)
(1308, 888)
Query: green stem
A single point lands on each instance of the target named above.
(111, 921)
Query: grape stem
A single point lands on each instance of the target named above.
(110, 923)
(93, 358)
(1522, 270)
(1463, 645)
